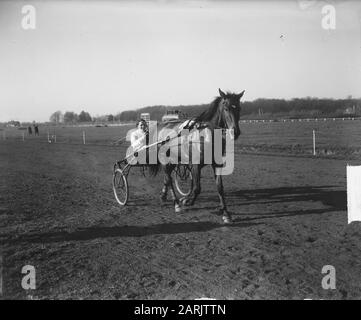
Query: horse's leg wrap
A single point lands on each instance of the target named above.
(226, 217)
(177, 207)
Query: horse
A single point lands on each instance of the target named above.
(223, 113)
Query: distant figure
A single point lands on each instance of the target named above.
(36, 129)
(30, 131)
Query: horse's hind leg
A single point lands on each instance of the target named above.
(226, 217)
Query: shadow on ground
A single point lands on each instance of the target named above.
(334, 200)
(124, 231)
(337, 199)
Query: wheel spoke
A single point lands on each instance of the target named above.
(120, 187)
(121, 191)
(183, 180)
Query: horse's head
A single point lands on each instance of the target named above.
(230, 108)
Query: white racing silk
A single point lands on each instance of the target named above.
(137, 139)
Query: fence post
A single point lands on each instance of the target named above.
(4, 137)
(48, 136)
(314, 142)
(83, 137)
(23, 136)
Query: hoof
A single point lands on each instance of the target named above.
(177, 208)
(227, 220)
(186, 202)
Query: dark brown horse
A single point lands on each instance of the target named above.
(222, 113)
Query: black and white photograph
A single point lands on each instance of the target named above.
(198, 150)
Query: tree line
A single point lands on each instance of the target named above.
(70, 117)
(257, 109)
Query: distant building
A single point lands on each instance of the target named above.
(145, 116)
(13, 123)
(350, 110)
(171, 115)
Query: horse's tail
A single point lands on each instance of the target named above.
(154, 169)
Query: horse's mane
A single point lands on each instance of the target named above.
(209, 113)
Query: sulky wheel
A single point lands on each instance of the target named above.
(183, 179)
(120, 187)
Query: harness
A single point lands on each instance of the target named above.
(190, 125)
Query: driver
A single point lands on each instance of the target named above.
(139, 137)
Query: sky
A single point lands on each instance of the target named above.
(105, 57)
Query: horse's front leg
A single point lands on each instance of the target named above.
(196, 173)
(226, 216)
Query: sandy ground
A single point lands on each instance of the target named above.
(58, 213)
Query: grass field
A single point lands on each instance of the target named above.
(341, 139)
(338, 138)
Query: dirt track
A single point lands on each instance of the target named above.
(57, 212)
